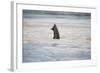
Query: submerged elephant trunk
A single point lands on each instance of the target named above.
(56, 32)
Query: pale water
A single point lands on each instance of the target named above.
(74, 42)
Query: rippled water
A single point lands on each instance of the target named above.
(75, 37)
(54, 52)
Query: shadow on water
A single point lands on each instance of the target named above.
(54, 45)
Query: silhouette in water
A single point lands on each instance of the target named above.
(56, 32)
